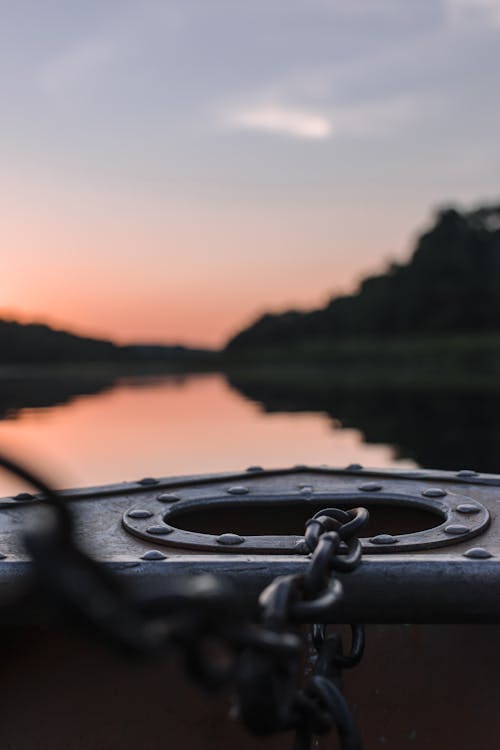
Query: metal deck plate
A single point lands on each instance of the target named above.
(156, 520)
(448, 572)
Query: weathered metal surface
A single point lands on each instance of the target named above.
(445, 505)
(447, 571)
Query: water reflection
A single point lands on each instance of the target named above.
(97, 429)
(436, 427)
(165, 426)
(18, 394)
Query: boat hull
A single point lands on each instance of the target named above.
(429, 677)
(418, 686)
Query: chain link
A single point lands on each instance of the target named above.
(199, 615)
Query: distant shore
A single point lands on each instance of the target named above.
(81, 370)
(462, 349)
(465, 360)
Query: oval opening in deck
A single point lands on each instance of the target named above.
(270, 518)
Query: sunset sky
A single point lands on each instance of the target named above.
(169, 170)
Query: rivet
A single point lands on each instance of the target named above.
(153, 554)
(370, 487)
(23, 496)
(478, 553)
(465, 473)
(148, 480)
(254, 469)
(468, 508)
(300, 467)
(354, 467)
(456, 529)
(238, 489)
(139, 513)
(306, 490)
(383, 539)
(230, 539)
(168, 497)
(434, 492)
(160, 530)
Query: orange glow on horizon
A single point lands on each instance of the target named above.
(221, 311)
(191, 274)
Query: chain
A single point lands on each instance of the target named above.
(201, 615)
(269, 704)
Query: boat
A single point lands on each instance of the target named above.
(426, 588)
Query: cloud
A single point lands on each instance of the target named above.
(281, 120)
(359, 120)
(75, 64)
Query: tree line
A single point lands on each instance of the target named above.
(38, 343)
(451, 284)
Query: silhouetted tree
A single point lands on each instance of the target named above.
(451, 284)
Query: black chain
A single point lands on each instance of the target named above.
(261, 641)
(269, 704)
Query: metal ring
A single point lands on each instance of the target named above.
(309, 611)
(276, 598)
(356, 651)
(337, 706)
(348, 562)
(352, 520)
(318, 572)
(437, 535)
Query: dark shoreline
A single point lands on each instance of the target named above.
(463, 360)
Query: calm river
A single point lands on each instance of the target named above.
(97, 428)
(92, 433)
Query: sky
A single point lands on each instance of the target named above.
(171, 170)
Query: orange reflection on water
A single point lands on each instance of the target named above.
(172, 426)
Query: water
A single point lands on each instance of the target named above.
(97, 428)
(96, 431)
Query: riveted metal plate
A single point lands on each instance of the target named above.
(454, 581)
(256, 494)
